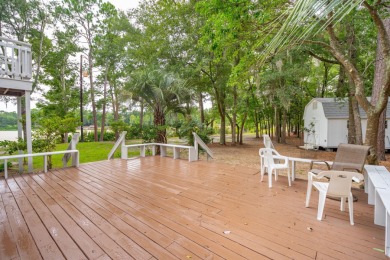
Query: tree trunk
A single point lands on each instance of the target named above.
(115, 105)
(325, 79)
(373, 111)
(222, 133)
(372, 136)
(283, 127)
(352, 53)
(104, 108)
(159, 122)
(257, 125)
(357, 121)
(141, 113)
(277, 125)
(95, 125)
(234, 116)
(238, 133)
(351, 123)
(241, 141)
(380, 72)
(201, 109)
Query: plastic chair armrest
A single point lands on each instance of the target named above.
(315, 161)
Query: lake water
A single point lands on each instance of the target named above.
(8, 135)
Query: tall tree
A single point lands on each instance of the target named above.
(162, 92)
(84, 15)
(326, 15)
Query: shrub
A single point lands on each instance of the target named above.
(9, 165)
(90, 136)
(188, 128)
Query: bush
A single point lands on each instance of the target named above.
(11, 147)
(134, 132)
(149, 133)
(90, 136)
(9, 165)
(188, 128)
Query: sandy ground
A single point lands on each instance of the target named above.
(248, 154)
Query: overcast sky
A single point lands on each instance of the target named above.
(120, 4)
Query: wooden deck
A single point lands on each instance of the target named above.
(160, 208)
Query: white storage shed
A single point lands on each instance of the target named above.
(326, 123)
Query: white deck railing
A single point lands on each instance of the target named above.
(15, 59)
(74, 153)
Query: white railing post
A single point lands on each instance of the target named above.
(5, 168)
(124, 150)
(73, 143)
(45, 163)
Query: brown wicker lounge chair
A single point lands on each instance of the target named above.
(349, 157)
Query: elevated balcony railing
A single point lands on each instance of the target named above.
(15, 59)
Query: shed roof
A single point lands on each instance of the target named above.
(338, 108)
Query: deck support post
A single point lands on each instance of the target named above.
(28, 130)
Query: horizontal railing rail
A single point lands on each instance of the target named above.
(192, 153)
(15, 59)
(75, 162)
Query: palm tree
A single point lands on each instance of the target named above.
(308, 17)
(161, 91)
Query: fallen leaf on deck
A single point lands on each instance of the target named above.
(226, 232)
(310, 229)
(189, 257)
(379, 250)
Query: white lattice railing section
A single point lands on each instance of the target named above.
(15, 59)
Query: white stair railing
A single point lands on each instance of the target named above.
(71, 146)
(121, 141)
(199, 142)
(15, 59)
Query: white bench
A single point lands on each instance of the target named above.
(382, 214)
(375, 177)
(377, 186)
(192, 152)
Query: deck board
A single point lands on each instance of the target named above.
(160, 208)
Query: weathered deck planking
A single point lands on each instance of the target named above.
(160, 208)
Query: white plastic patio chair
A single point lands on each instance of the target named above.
(268, 142)
(263, 164)
(339, 186)
(267, 160)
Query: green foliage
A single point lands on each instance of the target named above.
(150, 133)
(188, 128)
(134, 131)
(8, 120)
(49, 132)
(9, 165)
(11, 147)
(118, 126)
(108, 136)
